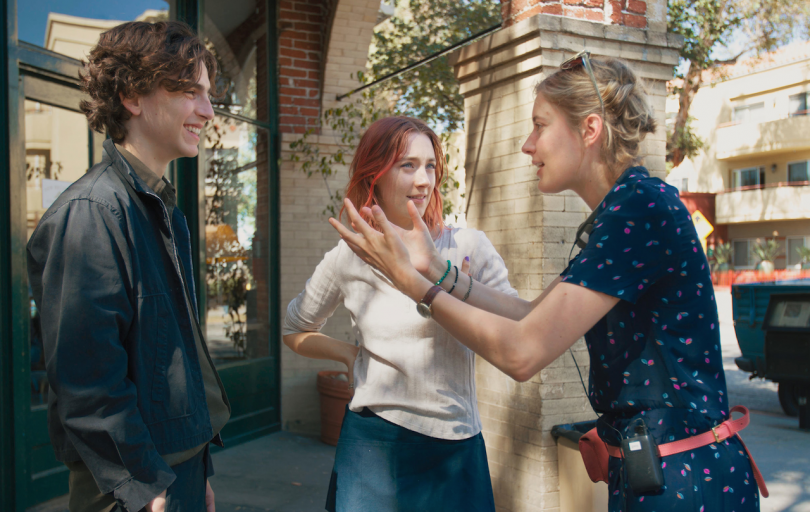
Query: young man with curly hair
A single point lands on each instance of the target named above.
(135, 398)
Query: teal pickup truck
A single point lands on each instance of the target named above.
(772, 322)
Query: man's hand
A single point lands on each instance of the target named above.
(158, 504)
(209, 498)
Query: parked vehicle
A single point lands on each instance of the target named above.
(772, 322)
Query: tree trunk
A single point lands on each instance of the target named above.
(691, 84)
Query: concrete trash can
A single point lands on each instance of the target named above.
(577, 492)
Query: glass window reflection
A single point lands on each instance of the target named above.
(236, 174)
(56, 155)
(236, 33)
(72, 27)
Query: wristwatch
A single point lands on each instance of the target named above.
(425, 307)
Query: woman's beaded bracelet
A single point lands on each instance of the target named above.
(439, 282)
(467, 295)
(454, 282)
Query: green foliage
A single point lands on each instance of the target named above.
(349, 121)
(231, 202)
(767, 250)
(704, 24)
(804, 254)
(684, 139)
(429, 93)
(709, 26)
(723, 254)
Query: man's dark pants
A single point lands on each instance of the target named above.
(185, 494)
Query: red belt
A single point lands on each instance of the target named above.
(718, 434)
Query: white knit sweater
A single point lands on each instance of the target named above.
(409, 370)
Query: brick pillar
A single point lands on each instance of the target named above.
(534, 231)
(301, 48)
(631, 13)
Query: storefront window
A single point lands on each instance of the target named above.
(72, 28)
(236, 277)
(236, 33)
(56, 154)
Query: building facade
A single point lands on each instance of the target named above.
(229, 194)
(754, 119)
(258, 221)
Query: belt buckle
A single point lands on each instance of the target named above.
(716, 437)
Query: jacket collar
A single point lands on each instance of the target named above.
(126, 171)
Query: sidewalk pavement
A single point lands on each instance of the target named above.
(285, 472)
(281, 472)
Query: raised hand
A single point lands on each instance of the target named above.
(384, 250)
(425, 258)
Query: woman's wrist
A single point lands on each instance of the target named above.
(350, 354)
(437, 269)
(414, 285)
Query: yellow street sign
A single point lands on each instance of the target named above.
(703, 227)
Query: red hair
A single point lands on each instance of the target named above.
(384, 143)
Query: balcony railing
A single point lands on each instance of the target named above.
(743, 139)
(773, 201)
(767, 185)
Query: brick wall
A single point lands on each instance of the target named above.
(534, 231)
(303, 25)
(631, 13)
(305, 234)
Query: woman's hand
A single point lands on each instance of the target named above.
(384, 251)
(425, 258)
(351, 357)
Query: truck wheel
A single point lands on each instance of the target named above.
(788, 398)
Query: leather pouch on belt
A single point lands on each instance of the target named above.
(594, 455)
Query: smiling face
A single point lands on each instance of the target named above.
(556, 150)
(412, 178)
(172, 121)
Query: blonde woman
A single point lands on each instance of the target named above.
(639, 291)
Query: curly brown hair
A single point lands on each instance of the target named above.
(132, 59)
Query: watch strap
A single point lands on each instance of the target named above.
(427, 300)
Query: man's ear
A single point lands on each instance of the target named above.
(132, 104)
(592, 128)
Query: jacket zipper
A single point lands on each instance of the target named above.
(186, 290)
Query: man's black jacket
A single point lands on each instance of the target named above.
(126, 384)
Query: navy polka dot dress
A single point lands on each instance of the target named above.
(656, 355)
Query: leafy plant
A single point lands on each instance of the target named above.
(723, 253)
(767, 250)
(804, 254)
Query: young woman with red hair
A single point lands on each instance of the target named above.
(411, 438)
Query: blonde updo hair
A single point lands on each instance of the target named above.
(629, 116)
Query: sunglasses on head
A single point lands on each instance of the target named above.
(583, 59)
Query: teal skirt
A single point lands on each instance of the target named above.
(382, 467)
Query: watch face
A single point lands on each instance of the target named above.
(423, 309)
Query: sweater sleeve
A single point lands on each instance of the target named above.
(488, 268)
(310, 310)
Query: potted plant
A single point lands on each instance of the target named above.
(723, 257)
(766, 252)
(804, 255)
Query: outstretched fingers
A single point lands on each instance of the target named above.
(418, 222)
(344, 232)
(358, 222)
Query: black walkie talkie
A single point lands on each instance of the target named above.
(642, 462)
